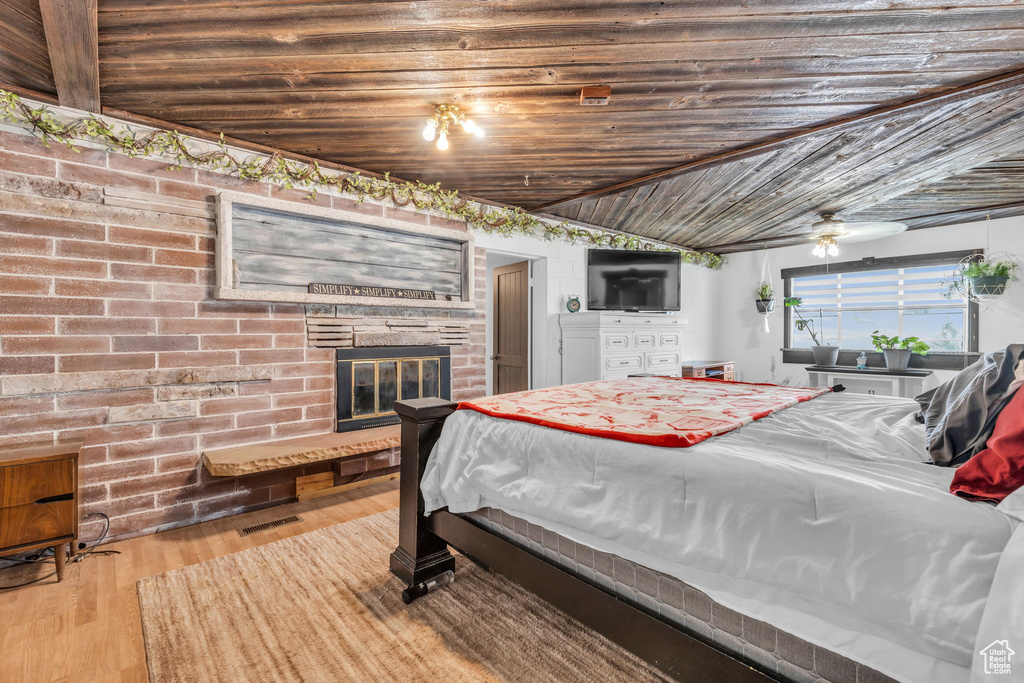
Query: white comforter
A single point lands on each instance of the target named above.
(822, 520)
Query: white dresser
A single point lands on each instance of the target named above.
(615, 345)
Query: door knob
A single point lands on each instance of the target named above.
(494, 358)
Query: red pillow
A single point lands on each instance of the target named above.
(997, 471)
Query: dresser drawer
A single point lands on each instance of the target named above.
(24, 484)
(623, 363)
(616, 342)
(644, 341)
(36, 522)
(663, 361)
(668, 340)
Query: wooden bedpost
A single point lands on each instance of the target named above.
(421, 557)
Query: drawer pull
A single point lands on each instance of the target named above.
(55, 499)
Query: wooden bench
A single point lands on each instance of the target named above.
(273, 455)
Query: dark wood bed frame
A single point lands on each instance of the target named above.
(423, 562)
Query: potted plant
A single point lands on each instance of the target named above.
(897, 351)
(765, 298)
(824, 354)
(988, 280)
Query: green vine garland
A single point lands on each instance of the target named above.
(288, 174)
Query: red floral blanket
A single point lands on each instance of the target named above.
(661, 411)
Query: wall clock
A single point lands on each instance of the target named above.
(573, 304)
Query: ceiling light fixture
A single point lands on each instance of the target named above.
(831, 229)
(826, 245)
(826, 230)
(446, 115)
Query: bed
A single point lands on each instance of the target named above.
(815, 543)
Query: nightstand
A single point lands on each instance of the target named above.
(716, 369)
(39, 498)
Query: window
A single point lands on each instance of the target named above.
(907, 296)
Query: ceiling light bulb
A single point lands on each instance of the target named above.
(833, 250)
(430, 130)
(472, 128)
(442, 140)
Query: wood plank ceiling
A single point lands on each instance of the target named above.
(352, 82)
(773, 198)
(992, 190)
(24, 60)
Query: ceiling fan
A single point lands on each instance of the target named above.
(831, 230)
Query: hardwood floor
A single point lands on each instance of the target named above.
(88, 628)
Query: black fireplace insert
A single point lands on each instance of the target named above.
(371, 379)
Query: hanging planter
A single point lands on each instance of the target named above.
(765, 298)
(988, 279)
(989, 286)
(765, 294)
(978, 279)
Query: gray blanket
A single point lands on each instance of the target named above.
(960, 414)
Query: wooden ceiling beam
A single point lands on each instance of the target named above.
(72, 39)
(45, 98)
(980, 88)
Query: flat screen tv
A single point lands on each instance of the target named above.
(619, 280)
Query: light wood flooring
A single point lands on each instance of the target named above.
(88, 627)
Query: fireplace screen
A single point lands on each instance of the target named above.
(370, 380)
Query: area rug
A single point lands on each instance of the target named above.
(323, 606)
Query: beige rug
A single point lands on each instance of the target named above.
(324, 607)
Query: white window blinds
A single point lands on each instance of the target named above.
(915, 301)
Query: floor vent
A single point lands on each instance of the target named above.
(268, 525)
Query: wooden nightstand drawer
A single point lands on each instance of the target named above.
(36, 522)
(24, 484)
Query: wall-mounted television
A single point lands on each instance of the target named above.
(621, 280)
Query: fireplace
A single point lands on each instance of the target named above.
(371, 379)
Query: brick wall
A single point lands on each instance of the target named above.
(109, 332)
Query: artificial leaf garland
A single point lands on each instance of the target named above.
(288, 174)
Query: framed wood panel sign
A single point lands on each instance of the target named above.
(274, 250)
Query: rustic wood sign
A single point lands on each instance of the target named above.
(275, 250)
(364, 290)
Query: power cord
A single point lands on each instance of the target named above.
(89, 550)
(40, 556)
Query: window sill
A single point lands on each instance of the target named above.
(937, 360)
